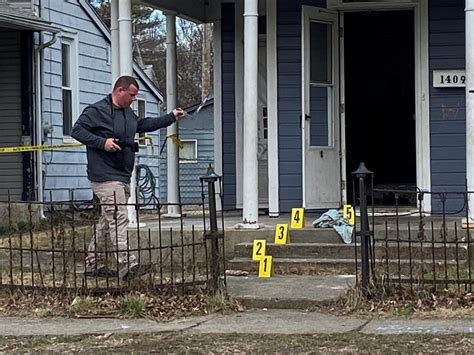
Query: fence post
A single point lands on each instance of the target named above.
(211, 178)
(361, 174)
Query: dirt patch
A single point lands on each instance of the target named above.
(232, 343)
(389, 302)
(161, 307)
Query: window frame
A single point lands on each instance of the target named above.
(330, 86)
(70, 40)
(187, 161)
(136, 109)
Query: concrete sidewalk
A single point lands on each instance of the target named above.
(288, 291)
(274, 321)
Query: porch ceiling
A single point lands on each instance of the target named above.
(194, 10)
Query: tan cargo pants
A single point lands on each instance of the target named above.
(111, 231)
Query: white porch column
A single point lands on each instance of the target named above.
(272, 104)
(126, 68)
(115, 47)
(171, 100)
(470, 103)
(250, 162)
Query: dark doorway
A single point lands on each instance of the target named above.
(379, 59)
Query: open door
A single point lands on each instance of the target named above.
(320, 121)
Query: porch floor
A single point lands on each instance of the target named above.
(233, 219)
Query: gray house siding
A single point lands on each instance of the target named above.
(10, 114)
(447, 105)
(65, 172)
(289, 101)
(228, 106)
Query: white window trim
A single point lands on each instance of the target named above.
(142, 98)
(109, 55)
(72, 40)
(187, 161)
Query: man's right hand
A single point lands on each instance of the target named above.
(111, 146)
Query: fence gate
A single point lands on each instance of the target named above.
(407, 248)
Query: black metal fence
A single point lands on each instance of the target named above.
(49, 252)
(407, 247)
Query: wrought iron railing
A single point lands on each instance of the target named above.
(407, 247)
(50, 252)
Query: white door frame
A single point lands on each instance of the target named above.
(420, 9)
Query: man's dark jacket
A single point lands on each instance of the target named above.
(100, 121)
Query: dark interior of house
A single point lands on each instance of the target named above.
(380, 99)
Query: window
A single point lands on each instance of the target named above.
(189, 152)
(321, 84)
(139, 106)
(109, 54)
(69, 83)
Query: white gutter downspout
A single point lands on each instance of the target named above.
(250, 148)
(171, 100)
(115, 40)
(470, 103)
(39, 114)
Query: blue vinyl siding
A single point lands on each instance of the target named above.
(228, 105)
(65, 173)
(289, 100)
(447, 105)
(201, 129)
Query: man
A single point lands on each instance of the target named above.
(108, 129)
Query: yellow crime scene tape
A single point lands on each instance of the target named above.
(175, 139)
(34, 148)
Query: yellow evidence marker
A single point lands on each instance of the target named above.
(282, 235)
(266, 267)
(259, 249)
(297, 218)
(348, 213)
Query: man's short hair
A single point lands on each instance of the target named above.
(125, 81)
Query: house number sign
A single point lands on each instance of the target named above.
(449, 78)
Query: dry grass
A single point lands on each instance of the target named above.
(382, 301)
(189, 343)
(161, 307)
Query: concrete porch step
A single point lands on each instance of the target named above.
(400, 250)
(318, 266)
(297, 266)
(300, 250)
(288, 291)
(305, 235)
